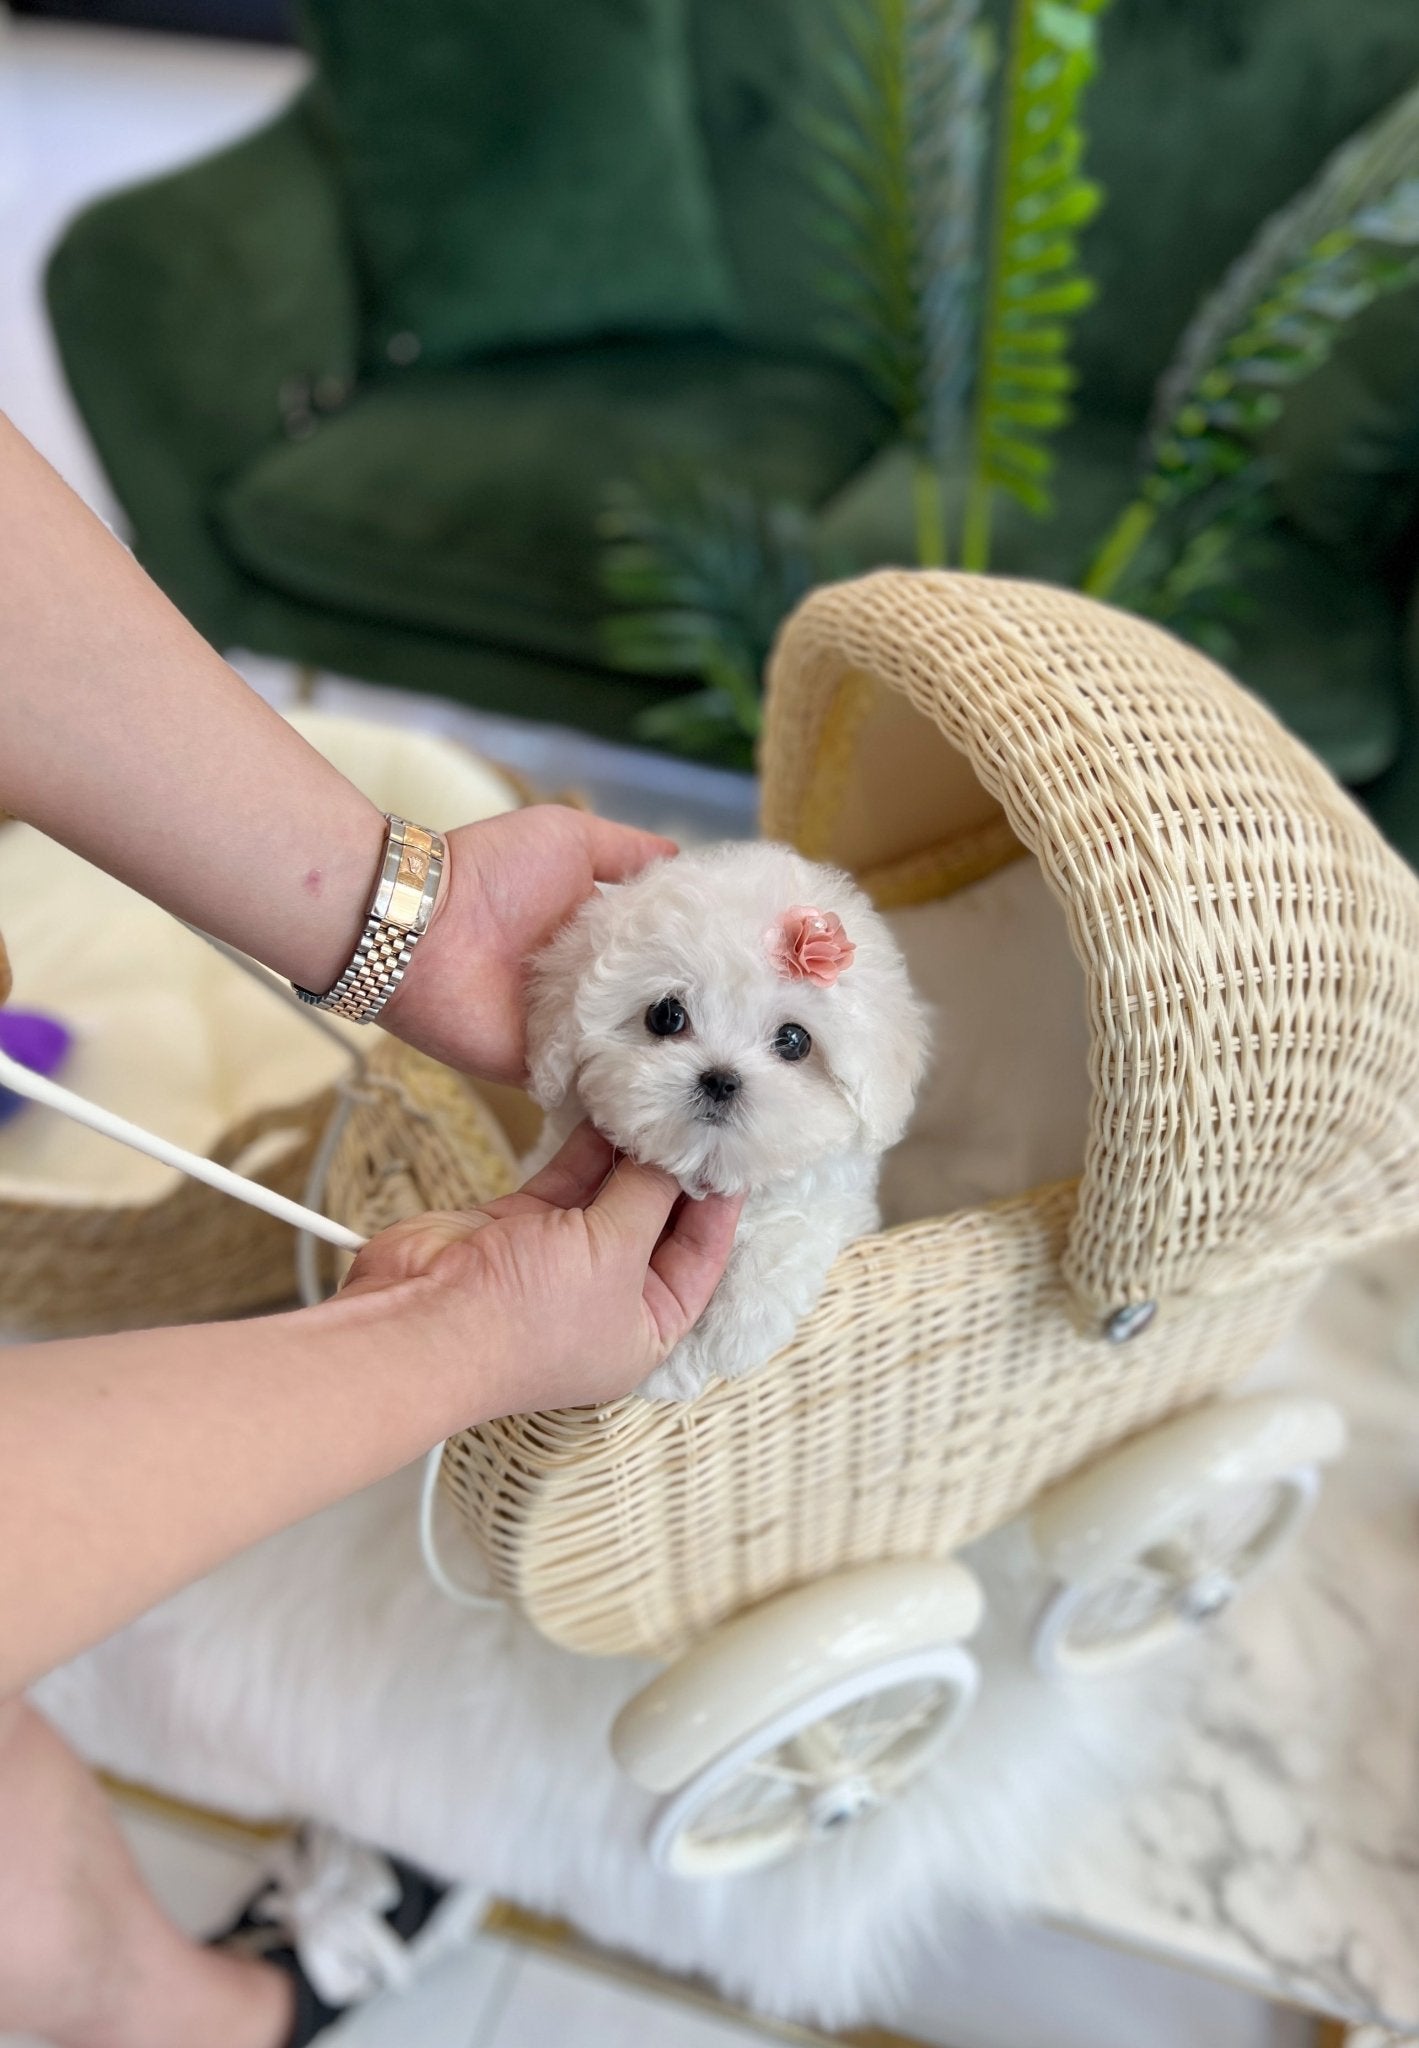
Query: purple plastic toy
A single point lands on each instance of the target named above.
(35, 1041)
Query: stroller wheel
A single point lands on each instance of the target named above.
(809, 1773)
(794, 1720)
(1161, 1536)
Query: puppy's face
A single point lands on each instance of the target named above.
(670, 1006)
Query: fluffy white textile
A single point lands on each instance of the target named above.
(321, 1674)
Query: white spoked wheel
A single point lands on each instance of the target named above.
(803, 1716)
(1153, 1542)
(1177, 1583)
(814, 1770)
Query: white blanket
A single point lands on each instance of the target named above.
(321, 1674)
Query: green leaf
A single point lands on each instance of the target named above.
(705, 723)
(1070, 27)
(1023, 459)
(1074, 207)
(895, 163)
(700, 573)
(1348, 237)
(1032, 376)
(1034, 287)
(1021, 302)
(1036, 341)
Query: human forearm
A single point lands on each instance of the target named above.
(126, 737)
(131, 1464)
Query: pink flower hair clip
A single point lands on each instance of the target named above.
(810, 945)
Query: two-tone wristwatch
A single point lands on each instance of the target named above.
(399, 914)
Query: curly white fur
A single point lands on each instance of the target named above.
(802, 1138)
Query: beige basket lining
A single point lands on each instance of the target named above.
(889, 794)
(1248, 941)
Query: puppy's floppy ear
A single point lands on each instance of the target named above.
(881, 1041)
(554, 976)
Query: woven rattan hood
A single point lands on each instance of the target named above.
(1249, 942)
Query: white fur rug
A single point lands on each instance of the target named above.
(320, 1674)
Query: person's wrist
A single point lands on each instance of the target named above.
(440, 1005)
(398, 912)
(442, 1345)
(331, 898)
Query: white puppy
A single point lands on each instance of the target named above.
(742, 1018)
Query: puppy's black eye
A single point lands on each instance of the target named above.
(791, 1042)
(667, 1018)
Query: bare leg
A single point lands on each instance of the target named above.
(87, 1957)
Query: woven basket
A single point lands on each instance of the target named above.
(1251, 953)
(78, 1266)
(417, 1136)
(195, 1254)
(72, 1267)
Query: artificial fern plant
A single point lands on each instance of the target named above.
(898, 156)
(702, 573)
(1349, 236)
(958, 308)
(1034, 287)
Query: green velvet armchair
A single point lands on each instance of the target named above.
(361, 380)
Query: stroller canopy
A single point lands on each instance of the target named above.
(1250, 944)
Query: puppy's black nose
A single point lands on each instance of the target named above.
(719, 1084)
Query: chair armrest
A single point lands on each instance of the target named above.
(186, 311)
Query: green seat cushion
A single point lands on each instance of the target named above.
(468, 503)
(519, 171)
(1321, 644)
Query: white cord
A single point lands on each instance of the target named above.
(309, 1285)
(36, 1088)
(308, 1282)
(461, 1596)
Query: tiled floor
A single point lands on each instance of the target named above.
(81, 111)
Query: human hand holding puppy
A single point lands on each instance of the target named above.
(742, 1019)
(738, 1021)
(583, 1280)
(512, 881)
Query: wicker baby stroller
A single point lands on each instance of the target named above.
(1251, 954)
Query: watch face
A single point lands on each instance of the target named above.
(406, 906)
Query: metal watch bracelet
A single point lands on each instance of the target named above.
(399, 914)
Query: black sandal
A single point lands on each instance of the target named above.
(346, 1923)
